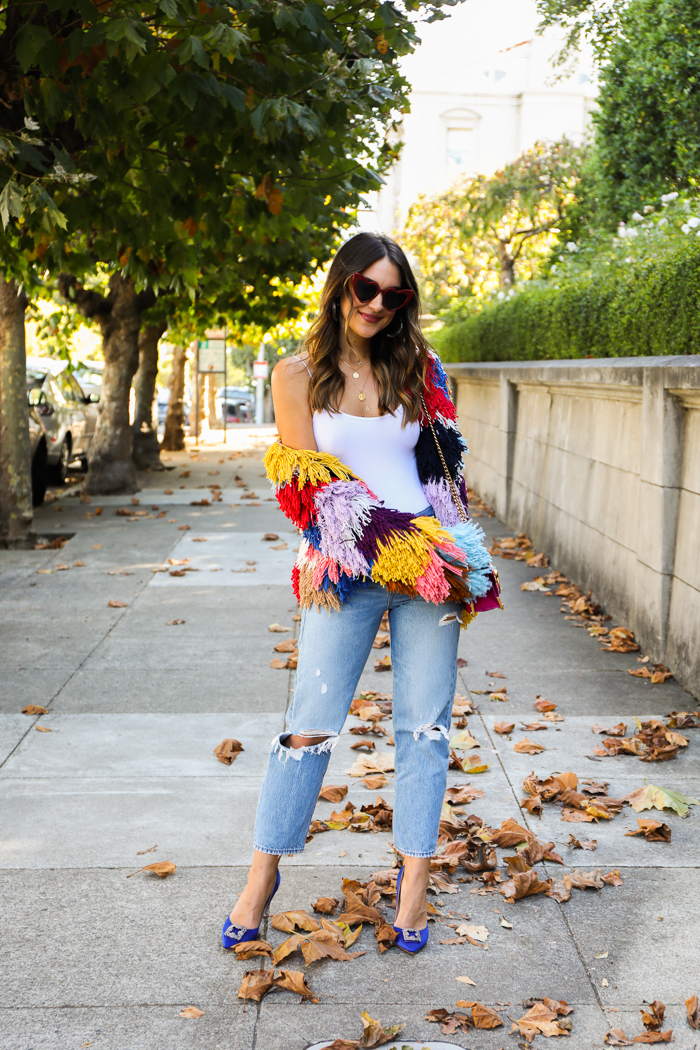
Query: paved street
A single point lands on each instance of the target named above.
(136, 706)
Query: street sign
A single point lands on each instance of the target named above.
(212, 355)
(260, 369)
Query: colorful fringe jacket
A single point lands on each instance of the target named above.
(350, 538)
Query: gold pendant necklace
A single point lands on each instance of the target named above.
(361, 396)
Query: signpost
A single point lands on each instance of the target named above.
(260, 371)
(211, 357)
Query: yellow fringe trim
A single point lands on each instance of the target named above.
(432, 529)
(281, 462)
(403, 558)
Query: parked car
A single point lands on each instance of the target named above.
(90, 375)
(37, 448)
(162, 399)
(238, 403)
(67, 415)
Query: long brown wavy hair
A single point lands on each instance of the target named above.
(398, 361)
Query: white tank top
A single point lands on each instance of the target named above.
(379, 450)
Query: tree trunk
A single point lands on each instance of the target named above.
(200, 391)
(146, 450)
(211, 402)
(16, 532)
(110, 466)
(506, 276)
(174, 434)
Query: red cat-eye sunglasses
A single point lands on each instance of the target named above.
(366, 290)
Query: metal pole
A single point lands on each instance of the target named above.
(196, 392)
(224, 400)
(260, 391)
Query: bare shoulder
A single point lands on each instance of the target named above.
(292, 372)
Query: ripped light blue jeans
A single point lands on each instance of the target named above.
(333, 650)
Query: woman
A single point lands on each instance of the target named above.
(369, 457)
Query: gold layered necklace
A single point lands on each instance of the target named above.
(361, 396)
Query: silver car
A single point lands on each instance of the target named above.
(67, 415)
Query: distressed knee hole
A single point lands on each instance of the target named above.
(285, 751)
(448, 618)
(431, 730)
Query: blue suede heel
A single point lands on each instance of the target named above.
(232, 935)
(408, 940)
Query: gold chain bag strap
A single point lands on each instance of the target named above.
(450, 481)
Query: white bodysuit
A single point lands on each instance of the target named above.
(379, 450)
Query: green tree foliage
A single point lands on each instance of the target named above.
(487, 230)
(188, 146)
(596, 21)
(647, 123)
(633, 293)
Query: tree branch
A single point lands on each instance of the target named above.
(88, 302)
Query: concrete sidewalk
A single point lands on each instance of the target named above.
(91, 958)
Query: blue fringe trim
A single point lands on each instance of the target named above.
(469, 537)
(313, 537)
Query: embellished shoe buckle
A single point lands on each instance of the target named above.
(235, 933)
(411, 935)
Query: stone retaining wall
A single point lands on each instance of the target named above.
(598, 461)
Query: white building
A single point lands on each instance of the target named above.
(483, 90)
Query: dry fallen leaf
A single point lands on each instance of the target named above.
(528, 747)
(619, 730)
(543, 705)
(468, 764)
(652, 797)
(464, 741)
(289, 921)
(174, 623)
(478, 933)
(383, 665)
(35, 709)
(333, 792)
(277, 628)
(546, 1018)
(140, 852)
(653, 830)
(228, 750)
(462, 795)
(162, 868)
(465, 980)
(504, 727)
(374, 1035)
(113, 604)
(523, 884)
(326, 905)
(287, 646)
(44, 729)
(575, 843)
(378, 762)
(373, 783)
(191, 1011)
(693, 1010)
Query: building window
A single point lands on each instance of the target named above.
(459, 148)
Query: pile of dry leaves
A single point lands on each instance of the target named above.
(481, 1016)
(653, 1019)
(653, 741)
(519, 548)
(374, 1034)
(477, 507)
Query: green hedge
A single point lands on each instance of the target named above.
(624, 308)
